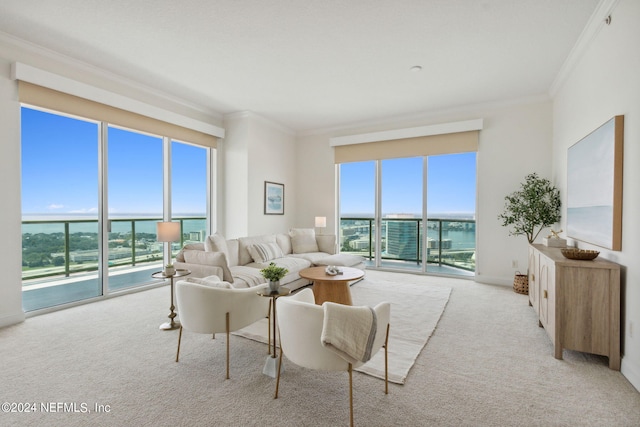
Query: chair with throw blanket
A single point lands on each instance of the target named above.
(331, 337)
(209, 309)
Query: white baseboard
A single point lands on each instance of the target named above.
(11, 319)
(492, 280)
(631, 372)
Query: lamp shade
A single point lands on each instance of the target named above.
(321, 221)
(168, 231)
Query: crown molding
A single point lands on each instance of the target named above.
(470, 109)
(75, 64)
(239, 115)
(590, 31)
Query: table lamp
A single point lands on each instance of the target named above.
(168, 232)
(321, 222)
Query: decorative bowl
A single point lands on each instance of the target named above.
(582, 254)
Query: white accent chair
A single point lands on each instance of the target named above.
(300, 323)
(208, 310)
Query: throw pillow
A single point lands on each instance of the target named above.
(217, 259)
(213, 281)
(303, 240)
(263, 252)
(216, 243)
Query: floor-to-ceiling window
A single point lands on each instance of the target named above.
(189, 190)
(358, 208)
(134, 186)
(92, 194)
(60, 234)
(425, 209)
(451, 203)
(401, 212)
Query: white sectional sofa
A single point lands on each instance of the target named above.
(239, 261)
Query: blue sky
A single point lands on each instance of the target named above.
(60, 169)
(450, 180)
(60, 174)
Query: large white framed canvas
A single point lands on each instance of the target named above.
(594, 186)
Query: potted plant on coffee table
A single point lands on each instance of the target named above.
(273, 274)
(529, 210)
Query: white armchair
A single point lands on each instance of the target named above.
(300, 323)
(208, 309)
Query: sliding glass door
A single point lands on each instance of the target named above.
(401, 212)
(60, 200)
(424, 209)
(92, 194)
(135, 205)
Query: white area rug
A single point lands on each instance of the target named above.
(415, 312)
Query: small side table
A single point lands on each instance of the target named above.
(172, 323)
(270, 366)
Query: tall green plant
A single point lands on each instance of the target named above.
(535, 206)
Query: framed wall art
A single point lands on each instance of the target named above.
(594, 186)
(273, 198)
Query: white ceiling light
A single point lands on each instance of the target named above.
(416, 68)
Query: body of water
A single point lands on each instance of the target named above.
(119, 224)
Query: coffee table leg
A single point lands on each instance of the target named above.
(334, 291)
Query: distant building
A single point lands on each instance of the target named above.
(402, 240)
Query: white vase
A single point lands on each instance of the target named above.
(274, 285)
(169, 271)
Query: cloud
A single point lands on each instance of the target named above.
(55, 206)
(84, 211)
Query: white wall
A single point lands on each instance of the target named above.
(256, 150)
(605, 82)
(516, 140)
(10, 216)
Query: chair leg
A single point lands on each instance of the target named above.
(278, 376)
(228, 335)
(179, 338)
(350, 394)
(386, 362)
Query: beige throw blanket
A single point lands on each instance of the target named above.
(349, 331)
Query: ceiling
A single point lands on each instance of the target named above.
(311, 65)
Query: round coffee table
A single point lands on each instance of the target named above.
(332, 288)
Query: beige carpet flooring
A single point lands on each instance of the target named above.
(416, 310)
(486, 364)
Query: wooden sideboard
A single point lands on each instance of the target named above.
(577, 302)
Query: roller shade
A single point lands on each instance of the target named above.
(450, 143)
(58, 101)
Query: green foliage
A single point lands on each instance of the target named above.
(535, 206)
(273, 273)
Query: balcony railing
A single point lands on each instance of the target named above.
(65, 247)
(450, 242)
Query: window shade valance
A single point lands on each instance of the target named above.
(450, 143)
(43, 97)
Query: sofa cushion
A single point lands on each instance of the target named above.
(344, 260)
(192, 246)
(303, 240)
(263, 252)
(218, 259)
(216, 243)
(244, 257)
(291, 263)
(284, 241)
(213, 281)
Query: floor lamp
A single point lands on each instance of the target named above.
(169, 232)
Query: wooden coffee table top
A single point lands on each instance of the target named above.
(318, 274)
